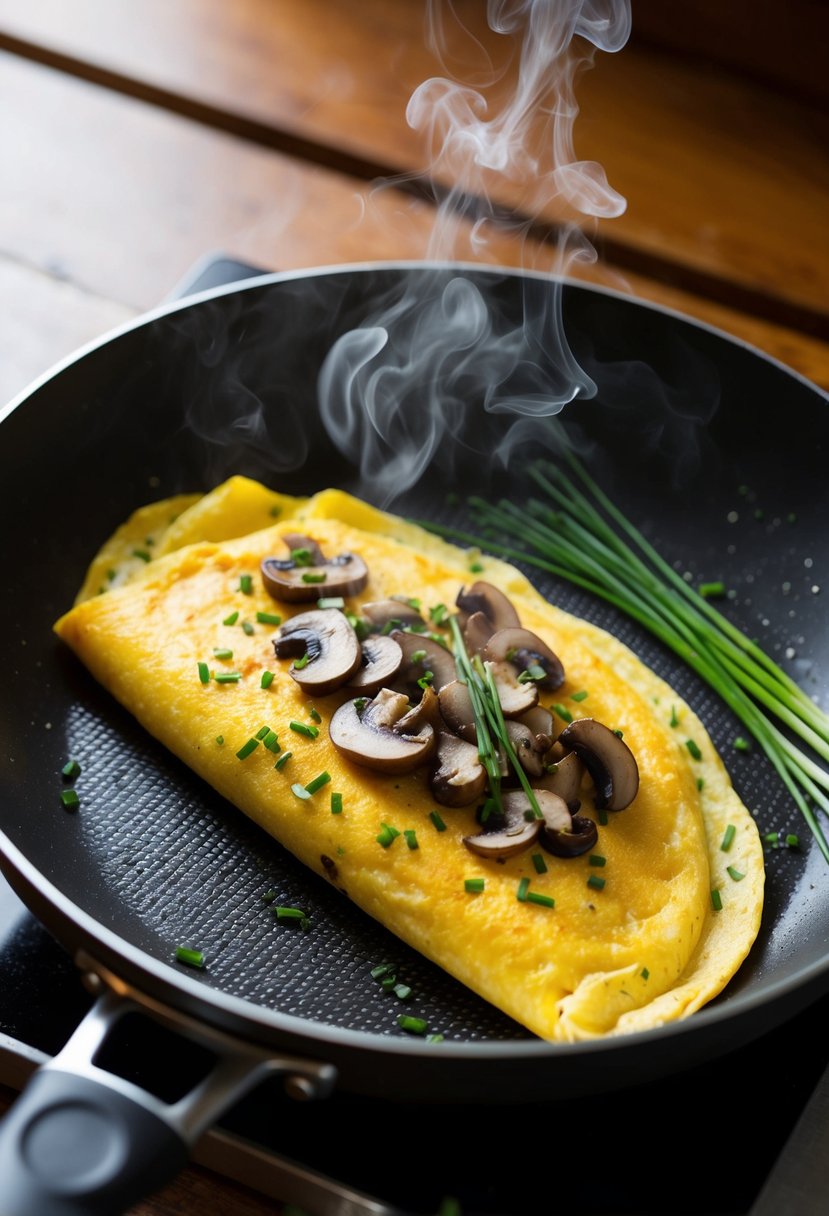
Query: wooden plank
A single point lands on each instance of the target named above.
(129, 198)
(727, 182)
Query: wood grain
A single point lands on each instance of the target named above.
(726, 180)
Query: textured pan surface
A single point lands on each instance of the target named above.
(708, 446)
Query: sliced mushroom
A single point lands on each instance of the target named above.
(426, 711)
(565, 779)
(541, 723)
(294, 581)
(524, 744)
(563, 834)
(365, 733)
(489, 600)
(380, 662)
(477, 632)
(456, 710)
(422, 654)
(525, 650)
(387, 614)
(510, 833)
(330, 644)
(610, 762)
(459, 777)
(516, 698)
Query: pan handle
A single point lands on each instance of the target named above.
(81, 1141)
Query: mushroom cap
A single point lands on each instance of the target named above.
(580, 837)
(524, 649)
(459, 777)
(294, 582)
(512, 832)
(565, 779)
(329, 641)
(608, 759)
(380, 662)
(436, 658)
(456, 710)
(489, 600)
(477, 631)
(515, 698)
(524, 744)
(367, 735)
(382, 613)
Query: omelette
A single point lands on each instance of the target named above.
(571, 871)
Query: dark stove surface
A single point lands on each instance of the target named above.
(672, 1148)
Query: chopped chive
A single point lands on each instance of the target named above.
(563, 712)
(186, 954)
(300, 728)
(283, 760)
(246, 584)
(735, 873)
(728, 838)
(438, 614)
(281, 912)
(403, 992)
(473, 886)
(232, 619)
(300, 790)
(70, 799)
(674, 718)
(596, 859)
(645, 974)
(596, 882)
(222, 652)
(314, 578)
(388, 983)
(71, 770)
(331, 601)
(246, 749)
(336, 804)
(227, 677)
(792, 841)
(412, 1025)
(434, 1038)
(302, 557)
(771, 837)
(142, 554)
(387, 835)
(523, 888)
(437, 821)
(601, 815)
(711, 590)
(269, 618)
(204, 673)
(267, 679)
(298, 664)
(716, 900)
(318, 782)
(263, 732)
(381, 970)
(271, 741)
(741, 744)
(579, 696)
(545, 901)
(248, 628)
(411, 838)
(539, 863)
(220, 739)
(314, 714)
(269, 896)
(476, 567)
(693, 749)
(700, 783)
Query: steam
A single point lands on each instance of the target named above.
(441, 368)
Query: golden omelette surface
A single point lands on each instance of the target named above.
(645, 949)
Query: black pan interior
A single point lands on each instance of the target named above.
(718, 453)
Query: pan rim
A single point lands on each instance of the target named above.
(257, 1021)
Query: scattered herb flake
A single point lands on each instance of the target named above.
(728, 838)
(267, 679)
(269, 618)
(70, 799)
(232, 619)
(204, 673)
(596, 882)
(247, 748)
(473, 886)
(336, 804)
(189, 956)
(71, 770)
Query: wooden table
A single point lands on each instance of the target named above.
(139, 136)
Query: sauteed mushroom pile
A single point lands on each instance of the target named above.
(409, 705)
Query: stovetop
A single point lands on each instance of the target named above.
(671, 1147)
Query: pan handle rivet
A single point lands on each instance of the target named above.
(301, 1089)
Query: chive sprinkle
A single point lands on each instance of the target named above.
(728, 838)
(292, 915)
(232, 619)
(186, 954)
(539, 863)
(142, 554)
(545, 901)
(735, 873)
(411, 838)
(300, 791)
(302, 557)
(246, 584)
(267, 679)
(314, 714)
(298, 664)
(792, 841)
(220, 740)
(381, 970)
(314, 578)
(222, 652)
(263, 732)
(473, 886)
(716, 900)
(271, 741)
(523, 888)
(412, 1025)
(674, 718)
(268, 618)
(301, 728)
(645, 974)
(283, 760)
(403, 992)
(693, 749)
(563, 712)
(387, 835)
(247, 748)
(579, 696)
(331, 601)
(596, 859)
(596, 882)
(318, 782)
(70, 799)
(204, 673)
(248, 628)
(741, 744)
(227, 677)
(710, 590)
(336, 804)
(437, 821)
(71, 770)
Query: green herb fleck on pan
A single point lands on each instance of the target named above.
(190, 956)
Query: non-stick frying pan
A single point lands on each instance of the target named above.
(716, 451)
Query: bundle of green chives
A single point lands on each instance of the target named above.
(577, 533)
